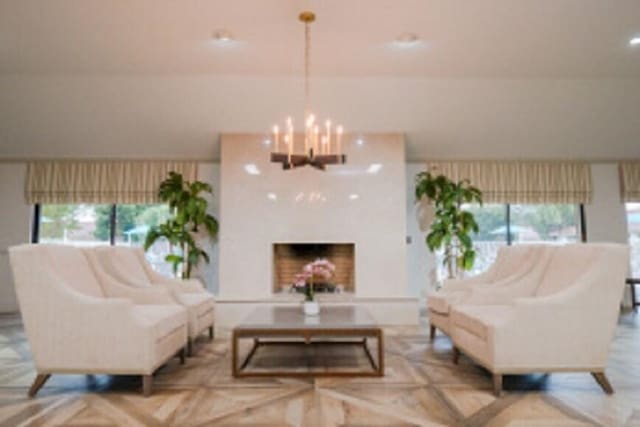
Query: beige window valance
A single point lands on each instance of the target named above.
(100, 181)
(523, 182)
(630, 181)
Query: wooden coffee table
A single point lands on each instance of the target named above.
(288, 326)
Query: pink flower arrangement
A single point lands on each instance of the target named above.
(320, 269)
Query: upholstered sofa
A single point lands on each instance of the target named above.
(74, 326)
(563, 321)
(129, 267)
(512, 264)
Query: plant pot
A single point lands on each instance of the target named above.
(311, 308)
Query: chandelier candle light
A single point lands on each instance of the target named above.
(322, 147)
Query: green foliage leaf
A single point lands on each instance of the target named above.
(452, 225)
(189, 214)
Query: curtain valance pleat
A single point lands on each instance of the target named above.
(100, 181)
(630, 181)
(522, 182)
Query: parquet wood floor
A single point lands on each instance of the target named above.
(421, 388)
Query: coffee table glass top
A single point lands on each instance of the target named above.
(287, 317)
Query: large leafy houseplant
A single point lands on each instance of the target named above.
(189, 219)
(452, 226)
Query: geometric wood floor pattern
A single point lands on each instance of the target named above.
(421, 387)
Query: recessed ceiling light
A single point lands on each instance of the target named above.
(267, 142)
(360, 141)
(354, 196)
(272, 196)
(223, 36)
(635, 41)
(407, 40)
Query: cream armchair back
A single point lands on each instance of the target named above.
(128, 268)
(515, 268)
(73, 328)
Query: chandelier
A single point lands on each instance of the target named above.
(322, 145)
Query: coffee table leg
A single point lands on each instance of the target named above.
(369, 356)
(256, 344)
(380, 353)
(234, 354)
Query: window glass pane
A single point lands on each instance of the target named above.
(491, 219)
(132, 224)
(545, 223)
(80, 225)
(633, 219)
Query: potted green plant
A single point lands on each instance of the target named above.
(452, 226)
(188, 222)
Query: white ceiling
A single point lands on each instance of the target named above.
(462, 38)
(493, 78)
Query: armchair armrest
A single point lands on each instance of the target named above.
(570, 329)
(73, 332)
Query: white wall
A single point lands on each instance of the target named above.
(606, 216)
(15, 227)
(420, 262)
(210, 172)
(345, 204)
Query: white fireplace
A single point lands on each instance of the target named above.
(361, 203)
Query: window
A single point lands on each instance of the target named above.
(633, 221)
(73, 224)
(492, 221)
(508, 224)
(132, 225)
(546, 223)
(91, 225)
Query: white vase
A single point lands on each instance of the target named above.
(311, 308)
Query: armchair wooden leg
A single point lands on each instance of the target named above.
(601, 378)
(211, 333)
(189, 347)
(182, 353)
(455, 356)
(38, 382)
(432, 332)
(147, 385)
(497, 384)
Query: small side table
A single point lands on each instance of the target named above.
(633, 282)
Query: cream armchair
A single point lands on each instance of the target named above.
(512, 264)
(129, 267)
(72, 327)
(565, 324)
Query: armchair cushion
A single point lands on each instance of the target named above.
(478, 319)
(163, 319)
